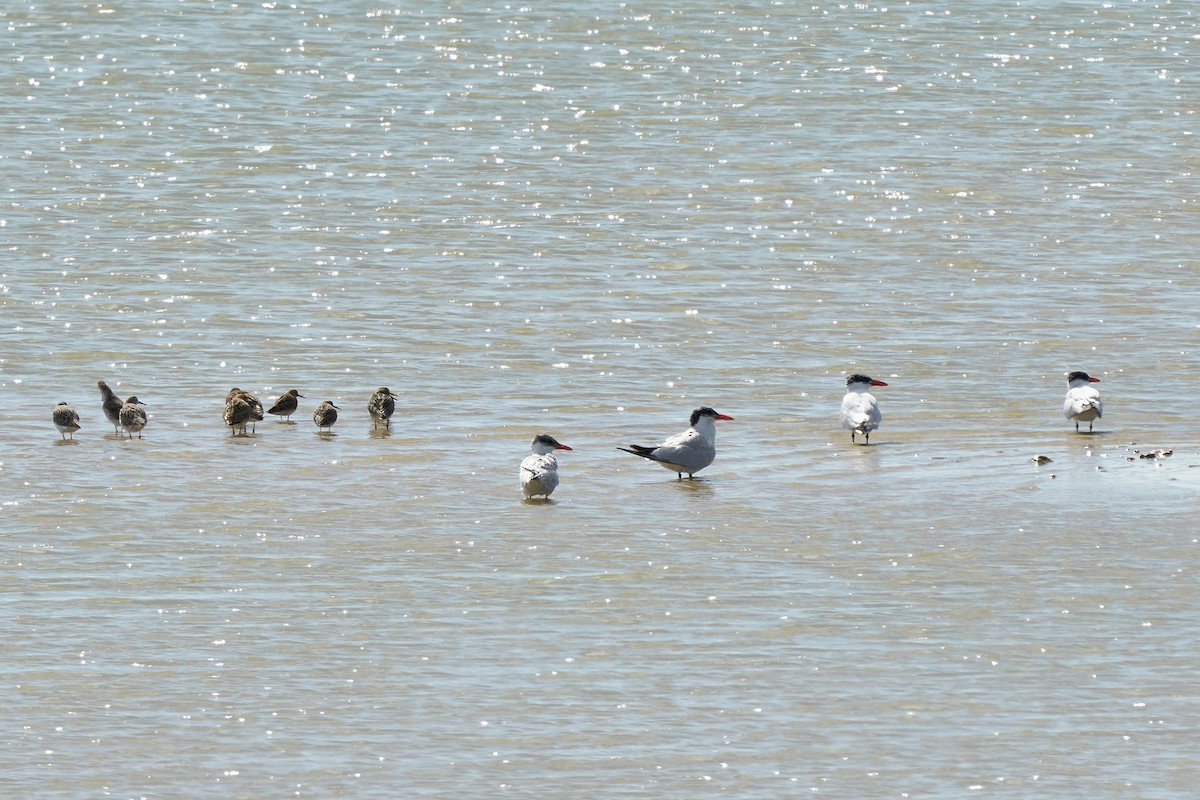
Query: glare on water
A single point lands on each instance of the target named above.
(587, 224)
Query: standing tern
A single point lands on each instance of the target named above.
(860, 409)
(539, 471)
(1083, 401)
(690, 451)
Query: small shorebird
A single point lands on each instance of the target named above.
(133, 417)
(325, 415)
(860, 409)
(1083, 401)
(256, 409)
(539, 471)
(381, 406)
(286, 405)
(66, 420)
(111, 405)
(690, 451)
(238, 413)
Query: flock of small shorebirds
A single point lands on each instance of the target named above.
(242, 409)
(689, 451)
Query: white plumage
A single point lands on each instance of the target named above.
(539, 471)
(860, 409)
(690, 451)
(1083, 401)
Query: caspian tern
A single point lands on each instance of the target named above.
(111, 405)
(65, 419)
(325, 415)
(690, 451)
(381, 406)
(539, 471)
(1083, 401)
(286, 405)
(133, 417)
(860, 409)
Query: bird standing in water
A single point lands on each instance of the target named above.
(286, 405)
(690, 451)
(539, 471)
(325, 415)
(381, 406)
(251, 414)
(238, 411)
(1083, 400)
(860, 409)
(133, 417)
(66, 420)
(111, 405)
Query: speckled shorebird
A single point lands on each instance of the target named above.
(238, 412)
(111, 405)
(286, 405)
(256, 409)
(66, 420)
(539, 471)
(381, 406)
(133, 417)
(325, 415)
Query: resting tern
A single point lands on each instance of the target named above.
(1083, 401)
(539, 471)
(690, 451)
(860, 409)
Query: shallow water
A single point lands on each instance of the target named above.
(529, 220)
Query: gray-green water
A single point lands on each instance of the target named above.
(587, 222)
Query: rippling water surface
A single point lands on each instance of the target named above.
(587, 222)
